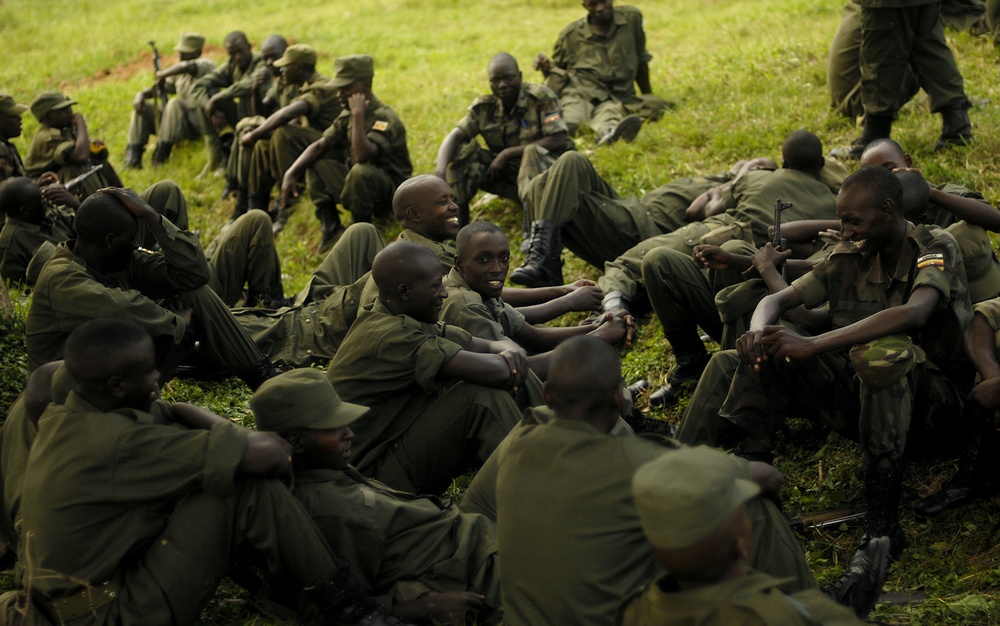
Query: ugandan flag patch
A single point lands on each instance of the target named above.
(380, 125)
(555, 117)
(935, 259)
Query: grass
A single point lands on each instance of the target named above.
(743, 74)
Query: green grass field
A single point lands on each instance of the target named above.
(744, 73)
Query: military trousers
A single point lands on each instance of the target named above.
(243, 255)
(458, 430)
(895, 41)
(466, 174)
(849, 393)
(173, 580)
(701, 424)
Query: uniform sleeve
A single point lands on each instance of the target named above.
(475, 319)
(812, 288)
(469, 124)
(433, 352)
(180, 266)
(938, 266)
(990, 309)
(550, 113)
(515, 319)
(387, 132)
(208, 85)
(640, 39)
(336, 134)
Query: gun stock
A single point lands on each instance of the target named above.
(825, 519)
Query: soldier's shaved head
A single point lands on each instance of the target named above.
(100, 215)
(802, 151)
(102, 348)
(885, 152)
(236, 37)
(410, 192)
(584, 381)
(38, 392)
(274, 46)
(408, 277)
(916, 195)
(505, 60)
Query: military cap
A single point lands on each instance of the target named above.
(351, 68)
(687, 494)
(49, 101)
(9, 107)
(299, 53)
(301, 398)
(190, 42)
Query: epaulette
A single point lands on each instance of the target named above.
(488, 99)
(538, 91)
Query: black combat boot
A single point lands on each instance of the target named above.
(978, 473)
(860, 586)
(260, 372)
(956, 128)
(162, 152)
(133, 156)
(330, 226)
(691, 358)
(542, 259)
(232, 186)
(876, 127)
(241, 206)
(883, 487)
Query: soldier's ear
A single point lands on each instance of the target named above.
(295, 439)
(403, 291)
(114, 386)
(412, 214)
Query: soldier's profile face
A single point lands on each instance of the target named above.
(601, 11)
(484, 265)
(239, 53)
(863, 221)
(10, 126)
(140, 384)
(326, 448)
(424, 292)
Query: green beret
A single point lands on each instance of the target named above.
(299, 53)
(301, 398)
(352, 68)
(685, 495)
(49, 101)
(190, 42)
(9, 107)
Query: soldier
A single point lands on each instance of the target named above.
(438, 395)
(597, 63)
(897, 37)
(282, 138)
(428, 559)
(29, 224)
(138, 524)
(571, 546)
(62, 145)
(361, 158)
(181, 118)
(888, 368)
(102, 274)
(517, 118)
(226, 95)
(10, 127)
(693, 507)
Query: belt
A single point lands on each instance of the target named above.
(87, 601)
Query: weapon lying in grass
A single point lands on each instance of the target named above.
(808, 522)
(70, 184)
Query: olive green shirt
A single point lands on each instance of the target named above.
(11, 164)
(391, 364)
(753, 600)
(231, 82)
(48, 150)
(491, 319)
(383, 128)
(183, 84)
(602, 67)
(69, 293)
(100, 486)
(399, 543)
(16, 437)
(570, 543)
(19, 240)
(321, 98)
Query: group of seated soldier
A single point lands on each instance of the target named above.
(123, 508)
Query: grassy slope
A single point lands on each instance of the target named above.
(744, 74)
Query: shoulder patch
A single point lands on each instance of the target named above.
(934, 259)
(555, 117)
(380, 125)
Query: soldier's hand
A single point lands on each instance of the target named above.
(289, 190)
(987, 393)
(135, 205)
(55, 194)
(711, 256)
(499, 162)
(614, 328)
(543, 64)
(267, 455)
(451, 607)
(584, 295)
(767, 257)
(249, 138)
(782, 343)
(517, 361)
(357, 103)
(139, 103)
(750, 349)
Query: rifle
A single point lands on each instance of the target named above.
(70, 184)
(825, 519)
(777, 240)
(159, 88)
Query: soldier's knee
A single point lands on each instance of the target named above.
(884, 361)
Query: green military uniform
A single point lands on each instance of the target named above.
(139, 519)
(899, 391)
(11, 164)
(535, 115)
(398, 543)
(571, 546)
(272, 157)
(422, 429)
(314, 327)
(49, 149)
(898, 36)
(69, 293)
(182, 118)
(752, 600)
(491, 319)
(16, 437)
(244, 255)
(365, 189)
(751, 212)
(19, 240)
(594, 75)
(236, 87)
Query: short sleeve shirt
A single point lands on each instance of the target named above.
(536, 115)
